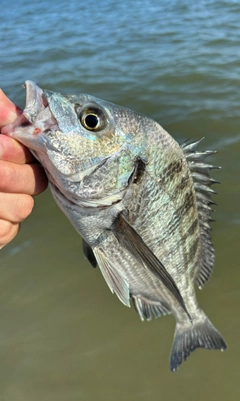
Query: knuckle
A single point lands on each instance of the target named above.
(5, 176)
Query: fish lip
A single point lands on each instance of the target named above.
(35, 101)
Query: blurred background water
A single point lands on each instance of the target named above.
(63, 335)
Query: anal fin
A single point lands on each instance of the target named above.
(147, 308)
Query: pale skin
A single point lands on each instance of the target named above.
(21, 177)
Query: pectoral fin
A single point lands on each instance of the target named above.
(132, 241)
(115, 279)
(88, 253)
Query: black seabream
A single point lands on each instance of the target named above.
(140, 201)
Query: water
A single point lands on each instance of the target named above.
(63, 335)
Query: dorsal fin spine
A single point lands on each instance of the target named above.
(202, 182)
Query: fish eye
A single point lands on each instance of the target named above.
(93, 119)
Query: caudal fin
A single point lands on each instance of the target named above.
(200, 334)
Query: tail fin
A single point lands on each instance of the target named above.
(200, 334)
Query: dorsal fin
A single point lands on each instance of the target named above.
(202, 182)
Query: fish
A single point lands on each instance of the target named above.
(141, 202)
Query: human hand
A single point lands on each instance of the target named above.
(21, 177)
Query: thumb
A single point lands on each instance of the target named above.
(8, 110)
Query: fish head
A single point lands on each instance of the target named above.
(87, 146)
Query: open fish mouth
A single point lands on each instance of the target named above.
(35, 101)
(36, 111)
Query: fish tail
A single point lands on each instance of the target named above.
(200, 334)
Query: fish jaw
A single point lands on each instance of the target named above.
(34, 121)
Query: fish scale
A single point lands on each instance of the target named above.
(171, 173)
(166, 243)
(140, 201)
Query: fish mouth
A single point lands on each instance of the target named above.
(36, 103)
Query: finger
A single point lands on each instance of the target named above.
(15, 207)
(8, 231)
(27, 179)
(13, 151)
(8, 110)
